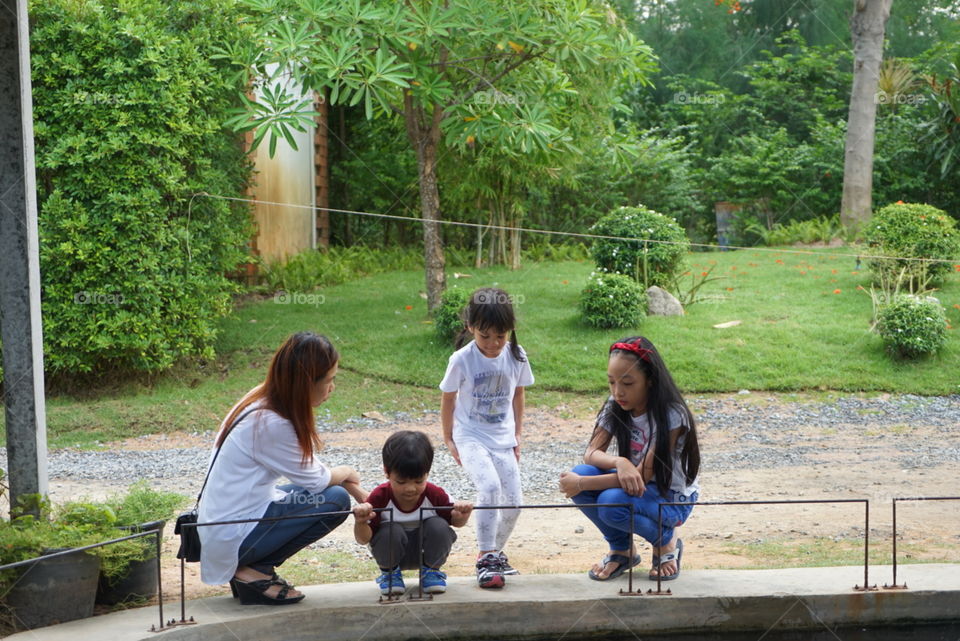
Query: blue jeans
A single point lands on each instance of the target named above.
(271, 543)
(614, 522)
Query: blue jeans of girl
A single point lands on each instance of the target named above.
(614, 522)
(271, 543)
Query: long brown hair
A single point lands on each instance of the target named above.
(304, 359)
(663, 395)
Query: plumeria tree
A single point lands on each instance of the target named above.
(522, 77)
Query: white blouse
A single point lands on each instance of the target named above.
(260, 450)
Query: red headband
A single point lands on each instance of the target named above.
(642, 352)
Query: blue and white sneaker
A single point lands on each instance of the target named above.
(433, 581)
(391, 582)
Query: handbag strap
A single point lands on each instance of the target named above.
(217, 453)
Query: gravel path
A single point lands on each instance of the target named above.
(754, 432)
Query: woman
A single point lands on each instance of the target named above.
(271, 433)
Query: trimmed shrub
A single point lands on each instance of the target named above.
(912, 326)
(448, 316)
(913, 231)
(129, 104)
(612, 300)
(653, 263)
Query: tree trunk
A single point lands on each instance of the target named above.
(425, 138)
(867, 27)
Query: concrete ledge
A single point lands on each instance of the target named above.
(554, 606)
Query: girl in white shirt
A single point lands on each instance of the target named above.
(482, 413)
(271, 433)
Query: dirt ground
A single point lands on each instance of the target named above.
(859, 461)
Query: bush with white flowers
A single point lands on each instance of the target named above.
(654, 253)
(612, 300)
(912, 326)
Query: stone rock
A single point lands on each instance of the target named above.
(660, 302)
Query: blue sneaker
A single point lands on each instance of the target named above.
(391, 581)
(433, 581)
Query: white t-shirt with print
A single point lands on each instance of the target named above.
(642, 438)
(485, 388)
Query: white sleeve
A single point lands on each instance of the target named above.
(454, 376)
(676, 418)
(526, 375)
(276, 448)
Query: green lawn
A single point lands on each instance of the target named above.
(804, 327)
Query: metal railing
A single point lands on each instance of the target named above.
(866, 527)
(390, 598)
(894, 585)
(183, 601)
(420, 595)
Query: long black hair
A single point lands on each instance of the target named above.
(491, 308)
(662, 396)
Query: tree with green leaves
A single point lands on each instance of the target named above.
(458, 73)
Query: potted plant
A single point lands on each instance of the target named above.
(129, 570)
(26, 601)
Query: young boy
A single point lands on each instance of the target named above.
(394, 537)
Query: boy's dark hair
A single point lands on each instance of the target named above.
(490, 308)
(408, 453)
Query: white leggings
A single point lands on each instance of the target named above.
(496, 476)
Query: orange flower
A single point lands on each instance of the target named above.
(833, 271)
(565, 282)
(836, 291)
(900, 202)
(703, 273)
(409, 307)
(779, 261)
(733, 268)
(802, 272)
(957, 267)
(956, 305)
(729, 289)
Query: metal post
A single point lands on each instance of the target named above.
(159, 582)
(20, 324)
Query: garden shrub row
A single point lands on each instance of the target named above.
(129, 101)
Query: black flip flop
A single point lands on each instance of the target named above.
(625, 564)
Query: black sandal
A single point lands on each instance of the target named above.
(255, 592)
(276, 578)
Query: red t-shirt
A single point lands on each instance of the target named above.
(433, 496)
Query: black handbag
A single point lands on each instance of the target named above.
(190, 536)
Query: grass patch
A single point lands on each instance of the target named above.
(776, 553)
(315, 567)
(804, 331)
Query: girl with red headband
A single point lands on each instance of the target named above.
(657, 461)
